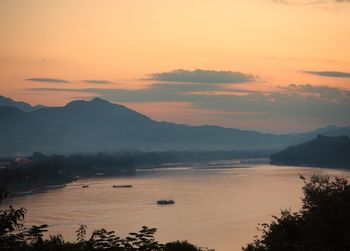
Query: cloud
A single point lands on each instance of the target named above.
(294, 102)
(202, 76)
(336, 74)
(325, 93)
(159, 92)
(47, 80)
(94, 81)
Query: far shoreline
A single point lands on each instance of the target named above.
(240, 163)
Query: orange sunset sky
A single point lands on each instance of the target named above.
(275, 66)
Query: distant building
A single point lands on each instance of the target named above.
(22, 161)
(4, 164)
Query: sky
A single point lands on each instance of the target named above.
(267, 65)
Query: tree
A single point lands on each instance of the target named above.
(12, 231)
(321, 224)
(81, 233)
(181, 246)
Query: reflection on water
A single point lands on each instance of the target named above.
(218, 208)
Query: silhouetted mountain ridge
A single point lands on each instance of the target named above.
(322, 151)
(98, 125)
(5, 101)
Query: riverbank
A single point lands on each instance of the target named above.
(39, 171)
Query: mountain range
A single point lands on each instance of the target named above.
(5, 101)
(322, 151)
(98, 125)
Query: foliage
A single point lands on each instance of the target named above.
(322, 224)
(12, 232)
(81, 233)
(181, 245)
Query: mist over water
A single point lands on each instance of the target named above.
(216, 206)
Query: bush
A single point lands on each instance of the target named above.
(181, 246)
(322, 224)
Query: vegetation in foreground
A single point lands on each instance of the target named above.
(322, 224)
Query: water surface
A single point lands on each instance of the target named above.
(216, 206)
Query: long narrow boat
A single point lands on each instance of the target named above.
(122, 186)
(165, 202)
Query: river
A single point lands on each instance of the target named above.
(217, 205)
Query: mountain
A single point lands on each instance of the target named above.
(98, 125)
(331, 131)
(5, 101)
(322, 151)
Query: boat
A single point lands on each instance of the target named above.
(165, 202)
(122, 186)
(85, 186)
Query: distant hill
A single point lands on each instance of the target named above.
(5, 101)
(322, 151)
(98, 125)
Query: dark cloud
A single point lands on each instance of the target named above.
(47, 80)
(299, 102)
(94, 81)
(324, 94)
(202, 76)
(160, 92)
(336, 74)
